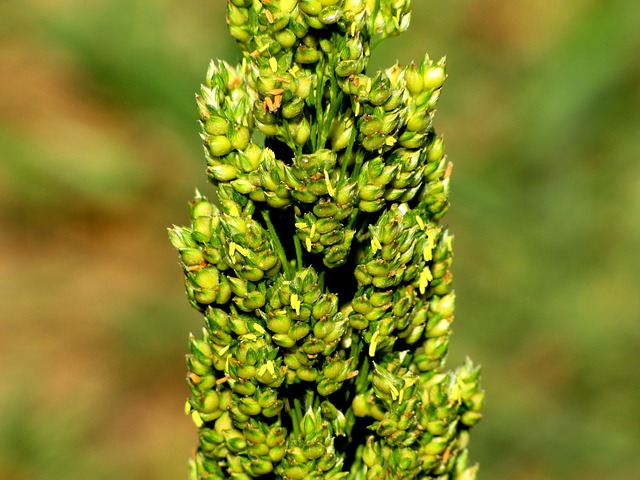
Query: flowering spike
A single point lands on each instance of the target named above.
(321, 269)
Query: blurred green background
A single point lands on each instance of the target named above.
(99, 153)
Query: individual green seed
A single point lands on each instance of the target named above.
(327, 387)
(346, 194)
(344, 68)
(296, 472)
(470, 418)
(386, 282)
(237, 16)
(239, 286)
(307, 374)
(334, 369)
(223, 172)
(299, 331)
(216, 125)
(224, 291)
(313, 452)
(219, 145)
(374, 142)
(286, 38)
(418, 122)
(362, 276)
(239, 33)
(283, 340)
(361, 304)
(251, 274)
(330, 15)
(413, 80)
(306, 55)
(260, 466)
(292, 361)
(205, 296)
(313, 346)
(371, 206)
(277, 453)
(436, 150)
(310, 7)
(244, 387)
(360, 406)
(239, 137)
(210, 401)
(208, 278)
(434, 77)
(293, 108)
(369, 125)
(249, 406)
(236, 444)
(246, 371)
(260, 450)
(278, 322)
(276, 436)
(375, 314)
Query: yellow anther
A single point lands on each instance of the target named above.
(187, 408)
(224, 350)
(293, 70)
(295, 303)
(307, 243)
(301, 225)
(195, 416)
(249, 336)
(455, 392)
(273, 63)
(390, 141)
(431, 235)
(259, 328)
(374, 343)
(394, 391)
(313, 230)
(330, 189)
(233, 247)
(357, 109)
(420, 223)
(408, 383)
(262, 370)
(375, 245)
(425, 278)
(233, 211)
(271, 368)
(427, 252)
(269, 16)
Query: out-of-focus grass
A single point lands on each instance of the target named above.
(99, 153)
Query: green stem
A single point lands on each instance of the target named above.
(347, 153)
(276, 240)
(353, 218)
(316, 133)
(296, 417)
(356, 167)
(298, 245)
(335, 98)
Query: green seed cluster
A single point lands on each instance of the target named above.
(320, 266)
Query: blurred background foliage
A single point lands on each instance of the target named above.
(99, 152)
